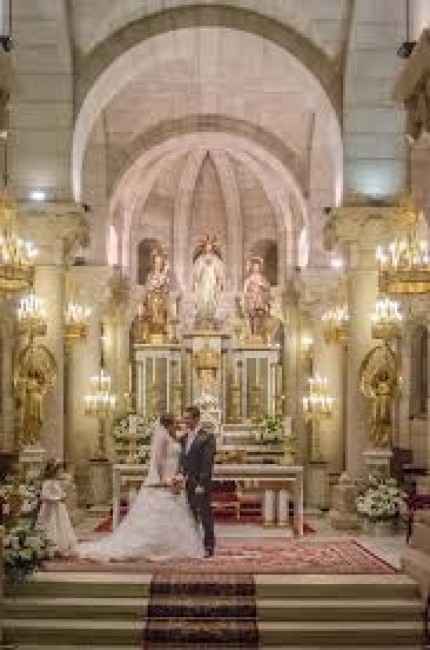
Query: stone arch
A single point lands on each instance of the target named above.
(115, 58)
(277, 181)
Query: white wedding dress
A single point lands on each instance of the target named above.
(159, 525)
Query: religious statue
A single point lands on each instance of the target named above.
(152, 318)
(36, 371)
(208, 281)
(379, 382)
(256, 297)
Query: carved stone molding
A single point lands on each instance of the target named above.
(413, 88)
(367, 226)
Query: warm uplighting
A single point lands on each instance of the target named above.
(76, 321)
(38, 195)
(317, 406)
(100, 403)
(386, 319)
(336, 263)
(335, 323)
(31, 316)
(16, 255)
(307, 344)
(404, 267)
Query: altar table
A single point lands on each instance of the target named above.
(276, 482)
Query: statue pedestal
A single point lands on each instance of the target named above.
(378, 461)
(100, 479)
(33, 459)
(343, 514)
(317, 486)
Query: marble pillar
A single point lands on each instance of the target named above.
(7, 410)
(329, 363)
(359, 229)
(49, 286)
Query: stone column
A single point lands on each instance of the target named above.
(360, 229)
(329, 363)
(49, 286)
(7, 410)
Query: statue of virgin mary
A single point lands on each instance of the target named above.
(208, 281)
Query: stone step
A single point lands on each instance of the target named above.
(267, 610)
(105, 633)
(262, 647)
(99, 585)
(324, 634)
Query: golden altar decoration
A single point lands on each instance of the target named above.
(379, 382)
(335, 324)
(207, 361)
(31, 316)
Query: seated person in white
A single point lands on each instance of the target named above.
(53, 517)
(159, 524)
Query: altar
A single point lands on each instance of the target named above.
(277, 483)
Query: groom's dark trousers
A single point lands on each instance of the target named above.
(197, 465)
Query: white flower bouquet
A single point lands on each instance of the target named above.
(380, 500)
(24, 548)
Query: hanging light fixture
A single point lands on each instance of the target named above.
(76, 321)
(16, 255)
(404, 267)
(335, 324)
(386, 319)
(31, 316)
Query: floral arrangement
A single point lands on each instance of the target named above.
(142, 454)
(381, 499)
(24, 546)
(272, 429)
(122, 436)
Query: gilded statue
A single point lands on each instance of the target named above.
(152, 318)
(256, 297)
(379, 383)
(208, 281)
(36, 372)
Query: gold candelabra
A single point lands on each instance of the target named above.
(76, 321)
(100, 403)
(335, 322)
(317, 406)
(31, 316)
(386, 319)
(16, 255)
(404, 267)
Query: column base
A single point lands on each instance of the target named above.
(317, 486)
(343, 514)
(378, 461)
(100, 479)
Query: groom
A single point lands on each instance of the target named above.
(196, 463)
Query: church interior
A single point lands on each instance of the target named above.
(225, 204)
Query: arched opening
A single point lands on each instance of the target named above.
(267, 249)
(145, 248)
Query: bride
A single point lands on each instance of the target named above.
(159, 525)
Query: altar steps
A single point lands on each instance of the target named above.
(293, 612)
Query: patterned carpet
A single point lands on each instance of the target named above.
(236, 556)
(216, 611)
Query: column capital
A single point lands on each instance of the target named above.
(368, 225)
(413, 88)
(55, 228)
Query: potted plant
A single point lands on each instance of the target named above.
(379, 503)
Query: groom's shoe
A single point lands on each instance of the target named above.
(209, 552)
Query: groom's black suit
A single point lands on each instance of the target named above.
(197, 464)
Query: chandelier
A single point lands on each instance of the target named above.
(100, 403)
(76, 321)
(335, 323)
(16, 255)
(317, 406)
(31, 316)
(386, 319)
(404, 267)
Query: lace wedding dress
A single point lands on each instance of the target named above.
(159, 525)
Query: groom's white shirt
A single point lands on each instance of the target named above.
(190, 439)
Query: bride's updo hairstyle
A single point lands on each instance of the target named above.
(166, 420)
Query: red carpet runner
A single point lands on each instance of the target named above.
(213, 611)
